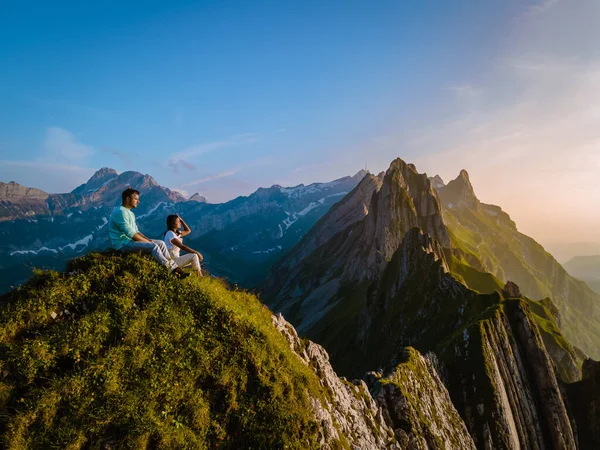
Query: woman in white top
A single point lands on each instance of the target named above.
(174, 242)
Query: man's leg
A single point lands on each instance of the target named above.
(152, 248)
(162, 253)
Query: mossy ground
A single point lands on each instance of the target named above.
(136, 358)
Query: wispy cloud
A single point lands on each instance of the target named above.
(540, 8)
(60, 143)
(125, 157)
(176, 165)
(227, 173)
(533, 144)
(201, 149)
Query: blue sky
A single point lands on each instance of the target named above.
(223, 97)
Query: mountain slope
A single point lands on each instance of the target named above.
(488, 239)
(370, 287)
(585, 268)
(118, 353)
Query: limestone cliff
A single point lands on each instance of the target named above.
(17, 201)
(489, 239)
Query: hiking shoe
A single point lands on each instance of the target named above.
(180, 273)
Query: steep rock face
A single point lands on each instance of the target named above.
(416, 403)
(306, 284)
(352, 414)
(504, 384)
(584, 401)
(18, 202)
(351, 209)
(488, 236)
(409, 408)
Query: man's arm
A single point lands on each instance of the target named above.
(139, 237)
(129, 229)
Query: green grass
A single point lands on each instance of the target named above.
(138, 359)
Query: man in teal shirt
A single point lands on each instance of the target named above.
(125, 236)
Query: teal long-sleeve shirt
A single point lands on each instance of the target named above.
(121, 227)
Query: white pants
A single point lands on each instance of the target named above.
(188, 259)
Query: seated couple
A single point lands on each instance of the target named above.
(125, 236)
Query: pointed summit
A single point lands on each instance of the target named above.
(437, 182)
(198, 198)
(360, 174)
(100, 178)
(103, 174)
(459, 192)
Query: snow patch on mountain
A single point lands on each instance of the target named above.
(161, 204)
(271, 250)
(33, 252)
(301, 190)
(104, 222)
(291, 219)
(83, 241)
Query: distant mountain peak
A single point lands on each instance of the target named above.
(103, 174)
(360, 174)
(459, 192)
(437, 182)
(198, 198)
(12, 190)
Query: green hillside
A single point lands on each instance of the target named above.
(117, 353)
(486, 239)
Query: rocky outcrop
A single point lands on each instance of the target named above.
(584, 402)
(417, 404)
(504, 384)
(20, 202)
(352, 414)
(409, 408)
(15, 191)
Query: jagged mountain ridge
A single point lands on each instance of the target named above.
(407, 295)
(488, 238)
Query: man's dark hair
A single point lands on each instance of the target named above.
(128, 193)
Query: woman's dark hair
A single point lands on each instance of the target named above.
(171, 222)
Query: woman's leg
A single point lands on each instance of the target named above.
(189, 259)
